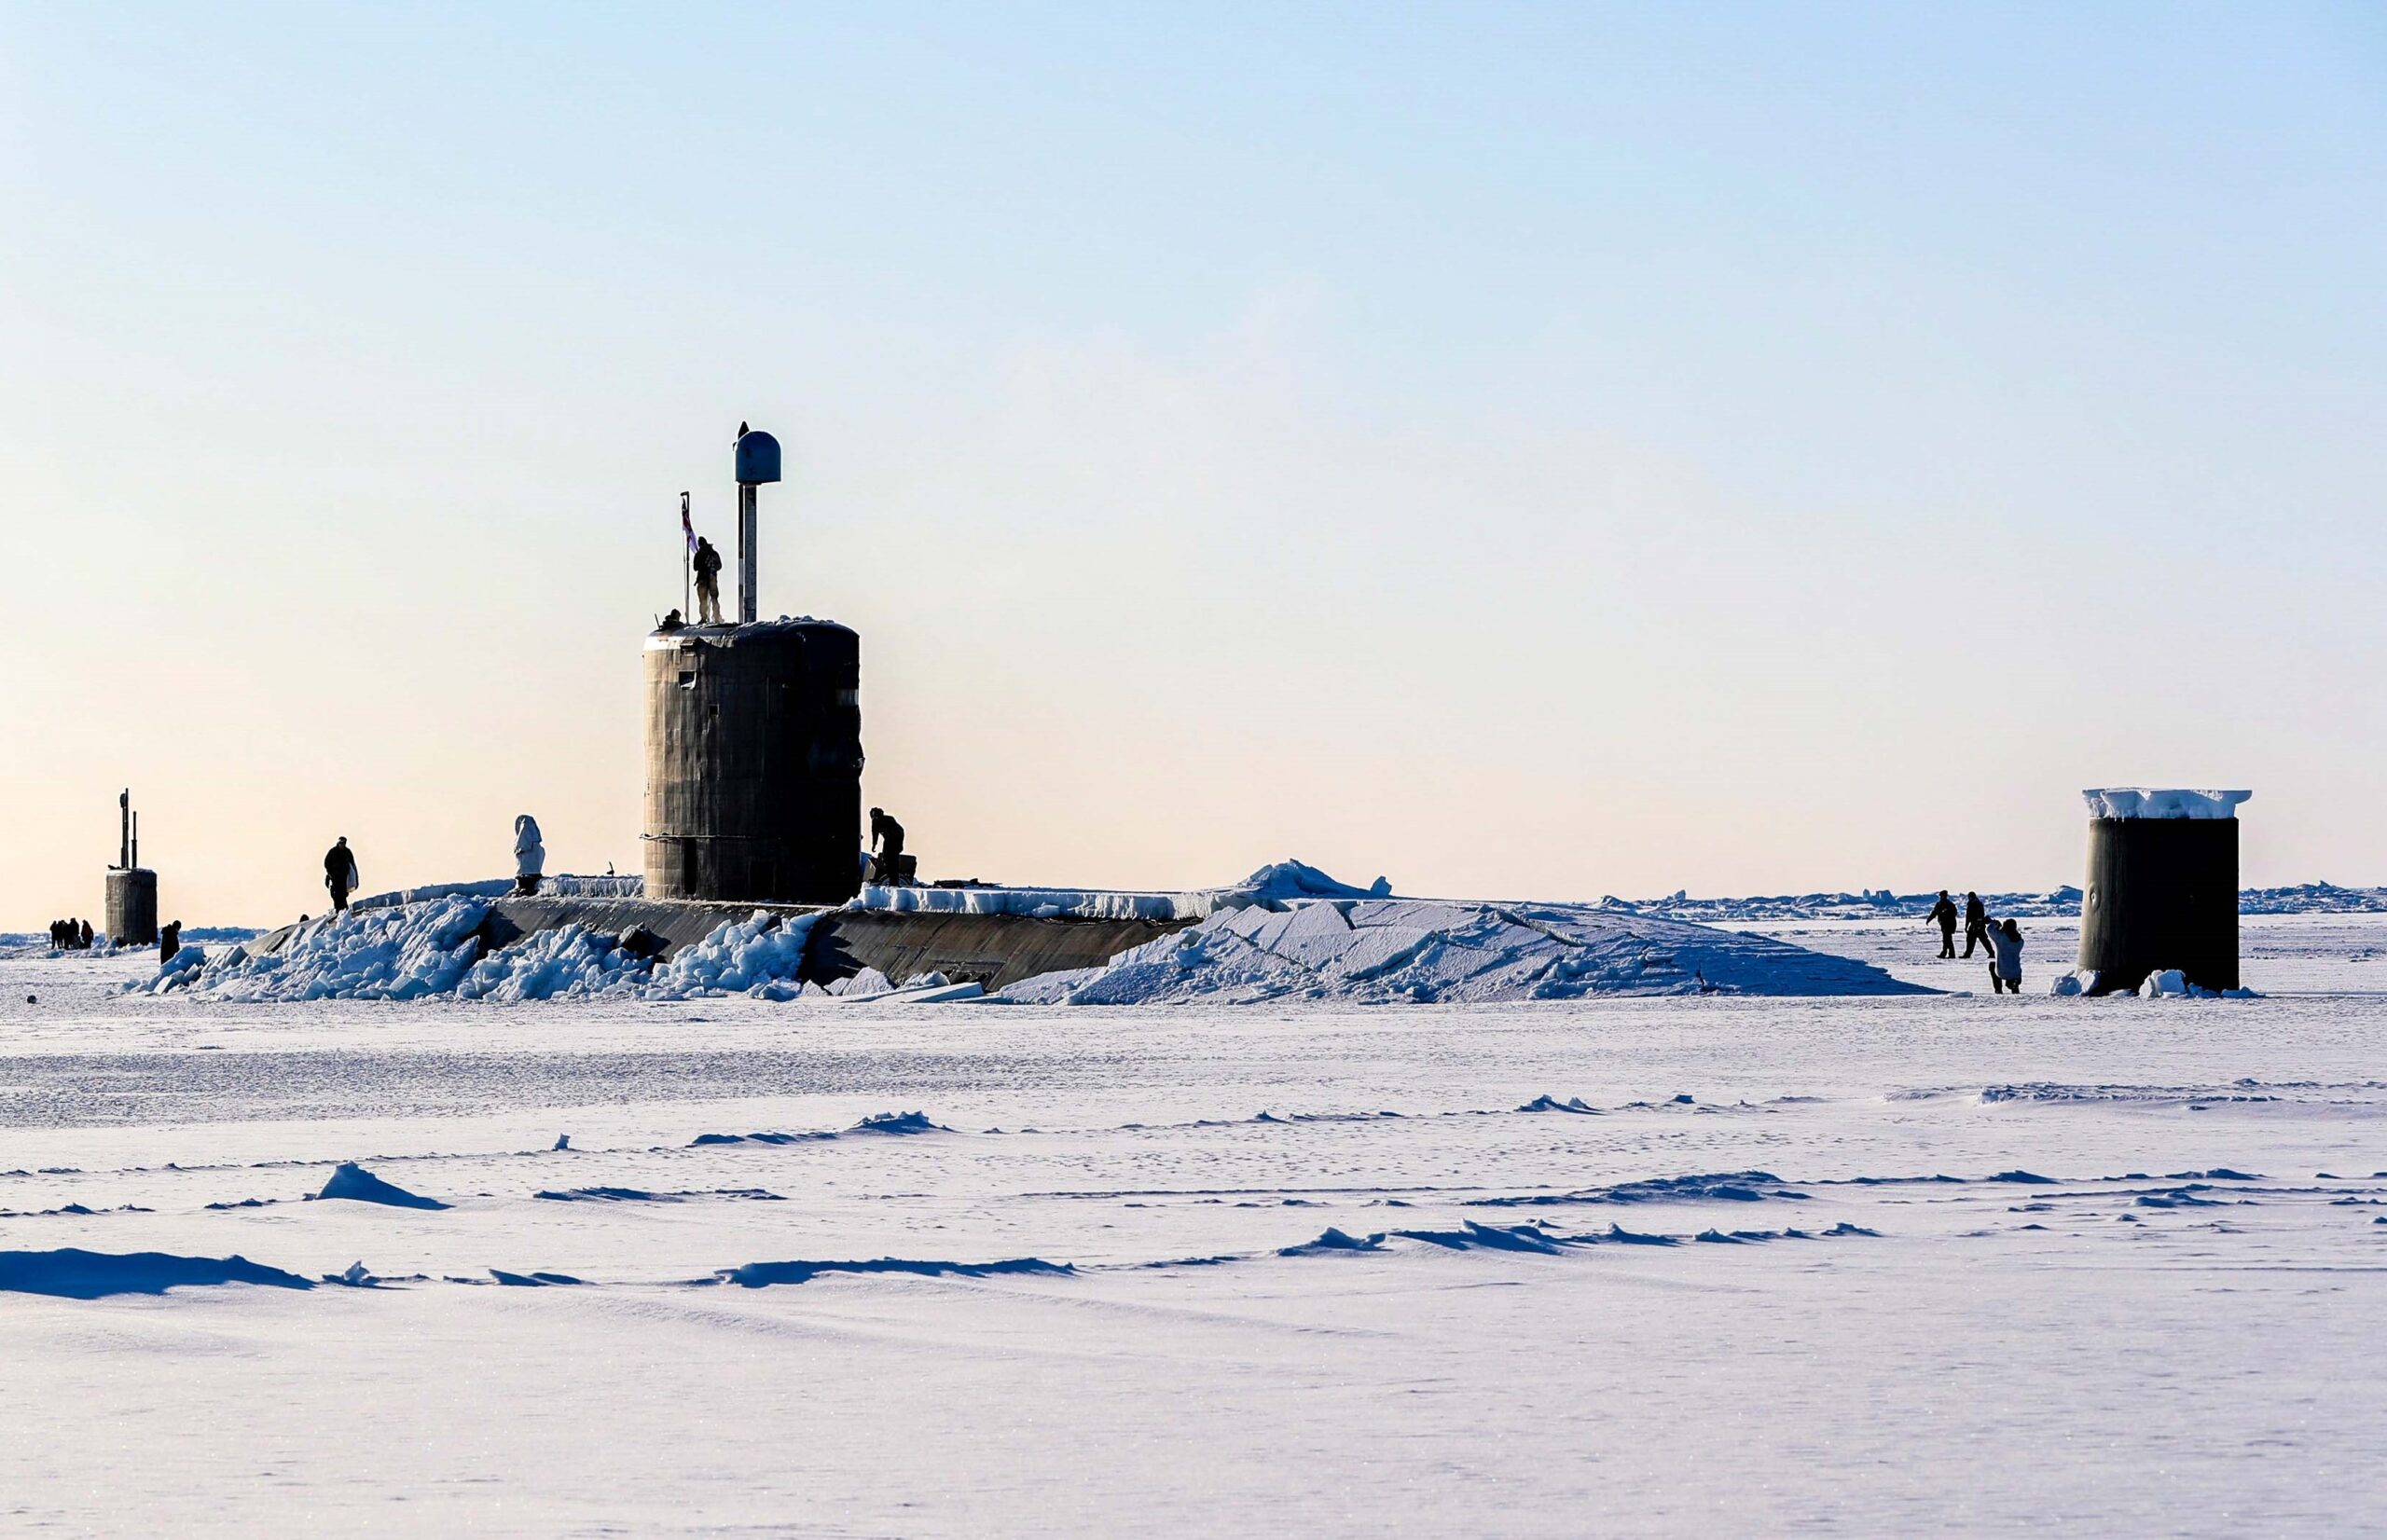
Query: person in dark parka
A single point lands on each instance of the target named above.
(169, 940)
(889, 853)
(340, 873)
(1976, 923)
(1943, 915)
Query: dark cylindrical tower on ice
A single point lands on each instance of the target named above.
(753, 744)
(132, 889)
(2162, 888)
(753, 762)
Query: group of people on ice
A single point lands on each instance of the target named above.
(70, 935)
(2002, 938)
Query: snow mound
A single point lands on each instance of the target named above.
(352, 1181)
(69, 1273)
(764, 1274)
(1381, 950)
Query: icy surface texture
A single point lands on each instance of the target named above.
(418, 951)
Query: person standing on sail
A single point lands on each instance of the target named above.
(707, 564)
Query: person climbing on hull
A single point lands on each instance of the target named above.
(887, 847)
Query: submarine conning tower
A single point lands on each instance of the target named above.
(132, 888)
(753, 744)
(2162, 888)
(753, 762)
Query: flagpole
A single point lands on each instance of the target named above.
(686, 592)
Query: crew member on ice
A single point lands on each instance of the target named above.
(530, 856)
(340, 873)
(708, 582)
(1976, 923)
(1943, 915)
(2004, 938)
(889, 859)
(169, 940)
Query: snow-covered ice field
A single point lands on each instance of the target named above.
(1906, 1265)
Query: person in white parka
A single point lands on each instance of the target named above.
(2004, 957)
(530, 856)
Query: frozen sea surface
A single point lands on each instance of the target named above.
(1936, 1265)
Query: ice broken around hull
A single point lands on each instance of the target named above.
(1392, 950)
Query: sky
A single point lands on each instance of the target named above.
(1519, 451)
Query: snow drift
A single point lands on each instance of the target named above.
(71, 1273)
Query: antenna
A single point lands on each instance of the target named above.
(124, 829)
(758, 462)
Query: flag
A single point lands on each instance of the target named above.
(685, 528)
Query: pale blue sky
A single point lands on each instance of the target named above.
(1522, 450)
